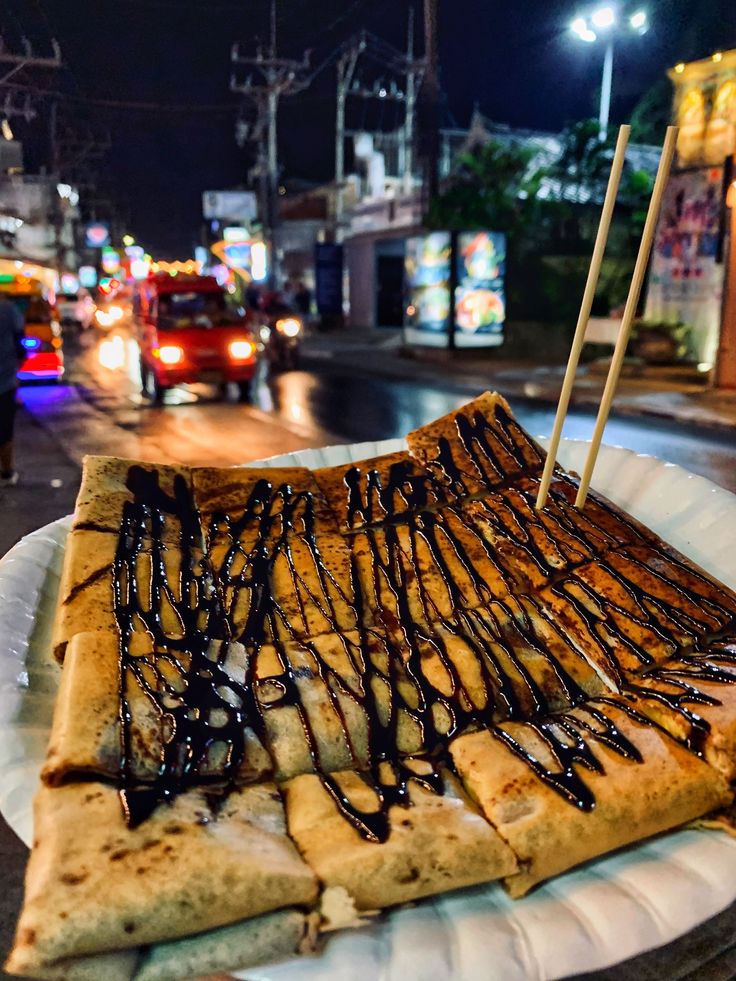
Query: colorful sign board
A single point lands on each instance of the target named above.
(480, 265)
(705, 109)
(231, 206)
(427, 268)
(685, 277)
(480, 307)
(69, 283)
(87, 277)
(235, 233)
(110, 261)
(96, 235)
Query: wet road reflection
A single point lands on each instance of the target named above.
(329, 404)
(362, 407)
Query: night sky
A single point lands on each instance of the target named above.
(517, 61)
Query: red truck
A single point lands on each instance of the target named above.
(189, 330)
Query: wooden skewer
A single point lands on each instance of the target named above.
(584, 315)
(645, 247)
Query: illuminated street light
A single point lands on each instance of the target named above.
(604, 20)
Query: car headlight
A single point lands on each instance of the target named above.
(170, 354)
(241, 350)
(264, 333)
(289, 326)
(116, 313)
(103, 318)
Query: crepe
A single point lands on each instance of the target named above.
(117, 966)
(445, 686)
(436, 842)
(476, 449)
(86, 736)
(694, 700)
(175, 874)
(271, 937)
(92, 567)
(107, 490)
(275, 525)
(625, 788)
(378, 491)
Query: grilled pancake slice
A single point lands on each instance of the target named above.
(437, 842)
(581, 784)
(94, 884)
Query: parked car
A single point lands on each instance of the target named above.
(188, 330)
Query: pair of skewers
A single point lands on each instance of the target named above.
(645, 247)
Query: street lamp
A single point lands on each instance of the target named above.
(602, 23)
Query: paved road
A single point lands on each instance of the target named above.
(104, 412)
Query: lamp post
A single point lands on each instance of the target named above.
(602, 24)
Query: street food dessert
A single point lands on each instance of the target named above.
(289, 698)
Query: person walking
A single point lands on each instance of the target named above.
(11, 355)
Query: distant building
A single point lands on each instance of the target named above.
(383, 217)
(37, 214)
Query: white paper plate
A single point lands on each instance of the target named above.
(611, 910)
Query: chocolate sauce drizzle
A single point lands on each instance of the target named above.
(451, 556)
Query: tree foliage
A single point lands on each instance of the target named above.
(493, 186)
(549, 211)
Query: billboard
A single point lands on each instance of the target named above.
(480, 304)
(87, 276)
(685, 276)
(233, 207)
(427, 268)
(96, 235)
(479, 260)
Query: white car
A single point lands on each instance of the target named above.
(67, 304)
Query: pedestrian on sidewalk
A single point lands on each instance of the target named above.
(11, 355)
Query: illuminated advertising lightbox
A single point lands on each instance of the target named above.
(87, 277)
(236, 233)
(69, 283)
(96, 235)
(479, 260)
(110, 261)
(480, 304)
(427, 267)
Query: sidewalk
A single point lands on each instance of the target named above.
(677, 393)
(48, 486)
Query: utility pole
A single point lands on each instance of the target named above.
(412, 77)
(345, 71)
(270, 78)
(56, 215)
(431, 99)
